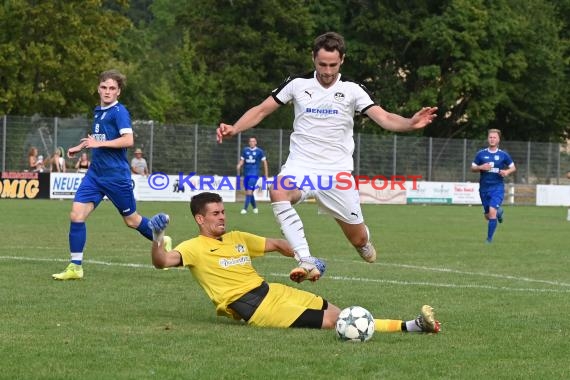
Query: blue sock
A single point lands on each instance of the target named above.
(144, 229)
(492, 226)
(77, 239)
(252, 201)
(246, 203)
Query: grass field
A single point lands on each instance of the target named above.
(504, 307)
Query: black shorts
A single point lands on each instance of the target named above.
(247, 304)
(311, 318)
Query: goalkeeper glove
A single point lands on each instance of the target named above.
(158, 224)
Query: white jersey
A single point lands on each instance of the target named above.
(322, 138)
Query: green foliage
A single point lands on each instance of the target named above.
(536, 102)
(483, 63)
(246, 49)
(187, 92)
(502, 64)
(52, 52)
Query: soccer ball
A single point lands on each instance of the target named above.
(355, 324)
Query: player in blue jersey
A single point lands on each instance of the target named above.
(252, 157)
(321, 146)
(109, 173)
(494, 165)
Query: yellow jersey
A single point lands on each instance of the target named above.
(223, 267)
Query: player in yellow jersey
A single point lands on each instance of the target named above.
(221, 263)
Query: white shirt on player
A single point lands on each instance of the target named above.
(322, 138)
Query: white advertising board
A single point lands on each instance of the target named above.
(161, 187)
(552, 195)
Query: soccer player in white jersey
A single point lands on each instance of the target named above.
(322, 145)
(109, 173)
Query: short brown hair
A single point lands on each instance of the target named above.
(115, 75)
(199, 202)
(329, 41)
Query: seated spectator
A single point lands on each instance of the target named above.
(83, 163)
(35, 161)
(57, 162)
(138, 163)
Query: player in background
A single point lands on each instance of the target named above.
(322, 144)
(221, 262)
(251, 159)
(494, 165)
(109, 173)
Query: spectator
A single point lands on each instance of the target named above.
(138, 163)
(35, 161)
(83, 163)
(57, 162)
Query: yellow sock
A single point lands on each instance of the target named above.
(387, 325)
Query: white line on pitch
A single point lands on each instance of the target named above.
(339, 278)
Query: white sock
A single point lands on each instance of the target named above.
(76, 256)
(411, 326)
(304, 195)
(292, 228)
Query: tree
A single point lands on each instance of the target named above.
(187, 93)
(483, 63)
(52, 52)
(249, 47)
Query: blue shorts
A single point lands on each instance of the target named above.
(249, 182)
(492, 198)
(119, 191)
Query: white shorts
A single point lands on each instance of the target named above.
(338, 199)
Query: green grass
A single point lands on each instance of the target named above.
(504, 307)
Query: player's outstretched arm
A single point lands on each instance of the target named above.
(279, 245)
(396, 123)
(75, 149)
(160, 257)
(249, 119)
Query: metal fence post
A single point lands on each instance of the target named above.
(558, 165)
(238, 149)
(55, 127)
(511, 189)
(4, 122)
(464, 160)
(394, 154)
(430, 149)
(528, 162)
(196, 148)
(151, 143)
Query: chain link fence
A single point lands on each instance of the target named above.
(193, 148)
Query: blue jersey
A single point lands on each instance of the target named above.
(252, 158)
(499, 160)
(109, 124)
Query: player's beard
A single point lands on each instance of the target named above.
(327, 80)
